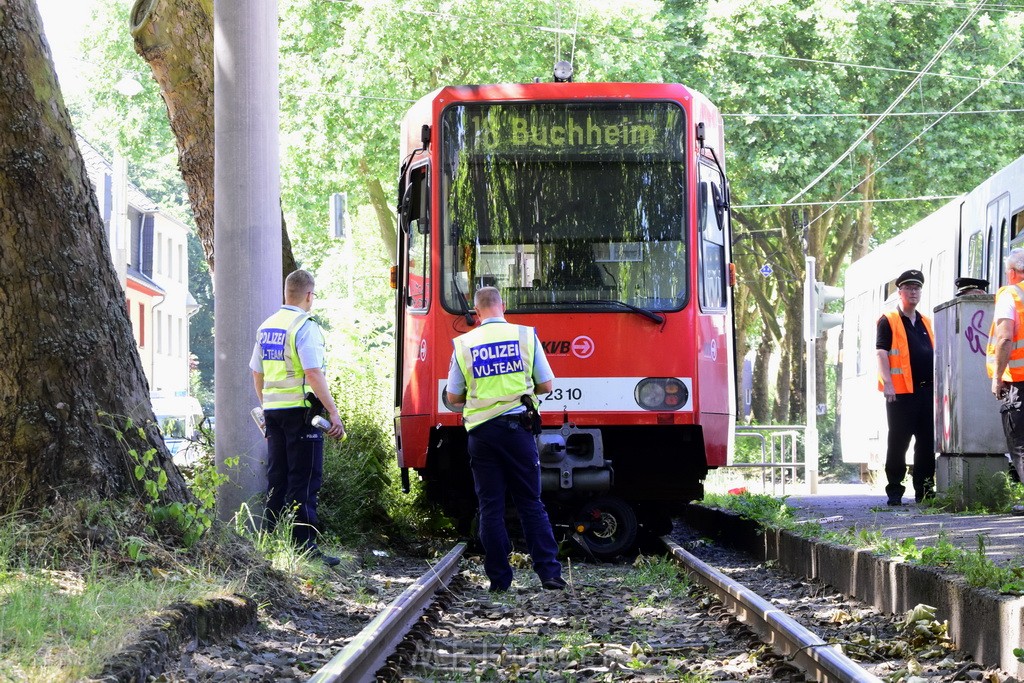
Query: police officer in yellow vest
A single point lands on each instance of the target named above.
(286, 363)
(1005, 357)
(905, 346)
(492, 368)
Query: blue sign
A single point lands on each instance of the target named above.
(765, 270)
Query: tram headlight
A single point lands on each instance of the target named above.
(661, 393)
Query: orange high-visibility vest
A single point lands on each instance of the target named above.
(1014, 371)
(899, 354)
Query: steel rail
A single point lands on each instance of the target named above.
(368, 651)
(824, 662)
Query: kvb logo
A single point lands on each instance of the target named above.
(558, 347)
(583, 347)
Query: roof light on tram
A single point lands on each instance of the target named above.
(563, 72)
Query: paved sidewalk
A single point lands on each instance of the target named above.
(859, 506)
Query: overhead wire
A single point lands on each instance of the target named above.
(912, 141)
(838, 115)
(929, 198)
(648, 39)
(910, 86)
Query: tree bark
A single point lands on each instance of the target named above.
(175, 37)
(71, 376)
(385, 217)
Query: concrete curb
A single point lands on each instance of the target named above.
(981, 622)
(170, 630)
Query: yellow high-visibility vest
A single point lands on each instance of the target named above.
(284, 381)
(497, 361)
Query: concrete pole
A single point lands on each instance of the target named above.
(810, 385)
(247, 231)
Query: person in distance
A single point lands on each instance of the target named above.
(1005, 357)
(905, 345)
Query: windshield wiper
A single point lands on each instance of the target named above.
(656, 317)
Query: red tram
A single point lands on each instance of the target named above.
(601, 212)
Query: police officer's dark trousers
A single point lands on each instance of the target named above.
(295, 471)
(503, 457)
(911, 415)
(1011, 409)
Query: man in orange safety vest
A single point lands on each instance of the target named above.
(1005, 356)
(905, 346)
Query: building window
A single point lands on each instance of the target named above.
(170, 258)
(181, 338)
(142, 325)
(159, 331)
(159, 252)
(181, 263)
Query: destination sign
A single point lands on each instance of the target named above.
(556, 129)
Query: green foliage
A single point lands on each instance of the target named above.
(976, 568)
(659, 576)
(768, 511)
(190, 519)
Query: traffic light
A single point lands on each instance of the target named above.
(823, 295)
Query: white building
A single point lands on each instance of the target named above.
(150, 253)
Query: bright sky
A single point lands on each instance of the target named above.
(64, 23)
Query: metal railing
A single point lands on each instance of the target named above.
(779, 453)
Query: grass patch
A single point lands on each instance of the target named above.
(768, 511)
(974, 565)
(79, 581)
(658, 575)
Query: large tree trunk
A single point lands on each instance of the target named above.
(385, 217)
(71, 374)
(175, 37)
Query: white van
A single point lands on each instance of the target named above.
(179, 418)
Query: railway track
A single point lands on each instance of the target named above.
(614, 622)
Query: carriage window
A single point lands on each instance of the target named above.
(565, 206)
(711, 231)
(1016, 228)
(975, 256)
(417, 217)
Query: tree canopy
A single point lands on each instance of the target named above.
(803, 86)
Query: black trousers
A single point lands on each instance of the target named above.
(911, 415)
(1011, 409)
(295, 471)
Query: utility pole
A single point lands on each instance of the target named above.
(810, 383)
(247, 235)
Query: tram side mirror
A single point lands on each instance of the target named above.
(720, 204)
(406, 207)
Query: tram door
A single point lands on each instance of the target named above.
(997, 216)
(414, 393)
(714, 369)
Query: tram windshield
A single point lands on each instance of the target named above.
(565, 206)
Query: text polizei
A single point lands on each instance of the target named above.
(497, 358)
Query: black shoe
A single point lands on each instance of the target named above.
(497, 589)
(555, 583)
(894, 502)
(330, 560)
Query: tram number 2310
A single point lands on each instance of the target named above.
(565, 394)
